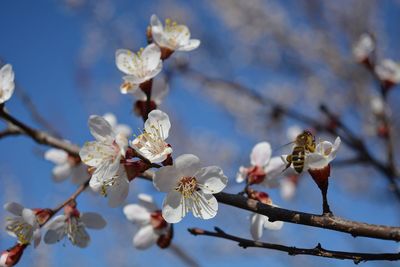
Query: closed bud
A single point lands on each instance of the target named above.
(11, 256)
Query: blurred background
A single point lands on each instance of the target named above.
(296, 53)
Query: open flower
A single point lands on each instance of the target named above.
(117, 128)
(151, 143)
(105, 155)
(263, 169)
(6, 83)
(257, 221)
(288, 186)
(174, 37)
(66, 166)
(24, 226)
(388, 72)
(364, 48)
(189, 188)
(324, 153)
(158, 92)
(73, 224)
(139, 68)
(152, 226)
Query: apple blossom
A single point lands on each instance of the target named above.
(139, 68)
(105, 155)
(24, 226)
(152, 226)
(66, 166)
(324, 153)
(6, 83)
(172, 37)
(263, 169)
(117, 128)
(190, 188)
(73, 224)
(364, 47)
(151, 143)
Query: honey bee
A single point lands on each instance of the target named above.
(304, 142)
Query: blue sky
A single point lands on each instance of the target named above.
(44, 40)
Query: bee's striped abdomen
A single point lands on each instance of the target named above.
(298, 158)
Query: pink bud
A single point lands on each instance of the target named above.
(11, 256)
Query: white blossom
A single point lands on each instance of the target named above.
(73, 225)
(105, 154)
(6, 83)
(324, 153)
(364, 47)
(175, 37)
(148, 218)
(151, 143)
(66, 166)
(190, 188)
(140, 67)
(24, 226)
(388, 71)
(264, 168)
(287, 188)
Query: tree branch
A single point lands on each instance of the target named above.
(318, 251)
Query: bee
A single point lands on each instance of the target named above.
(304, 142)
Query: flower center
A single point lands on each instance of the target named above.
(22, 230)
(187, 186)
(153, 140)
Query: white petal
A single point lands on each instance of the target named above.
(57, 222)
(106, 171)
(14, 208)
(145, 237)
(172, 210)
(205, 206)
(6, 83)
(187, 165)
(100, 128)
(256, 227)
(111, 119)
(122, 143)
(147, 202)
(80, 237)
(166, 178)
(93, 220)
(155, 21)
(140, 95)
(137, 214)
(118, 192)
(158, 120)
(191, 45)
(315, 161)
(241, 175)
(56, 230)
(212, 179)
(29, 216)
(277, 225)
(273, 170)
(159, 91)
(123, 129)
(37, 236)
(57, 156)
(61, 172)
(125, 61)
(151, 56)
(261, 154)
(79, 174)
(287, 189)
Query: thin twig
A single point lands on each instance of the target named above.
(317, 251)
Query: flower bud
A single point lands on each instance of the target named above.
(11, 256)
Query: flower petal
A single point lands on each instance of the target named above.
(287, 189)
(273, 170)
(79, 174)
(100, 128)
(137, 214)
(147, 202)
(61, 172)
(256, 227)
(57, 156)
(111, 119)
(172, 210)
(151, 55)
(277, 225)
(241, 175)
(7, 84)
(80, 237)
(126, 61)
(315, 161)
(261, 154)
(14, 208)
(145, 237)
(165, 179)
(37, 236)
(93, 220)
(205, 206)
(56, 230)
(94, 153)
(158, 120)
(191, 45)
(29, 216)
(187, 165)
(212, 179)
(119, 191)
